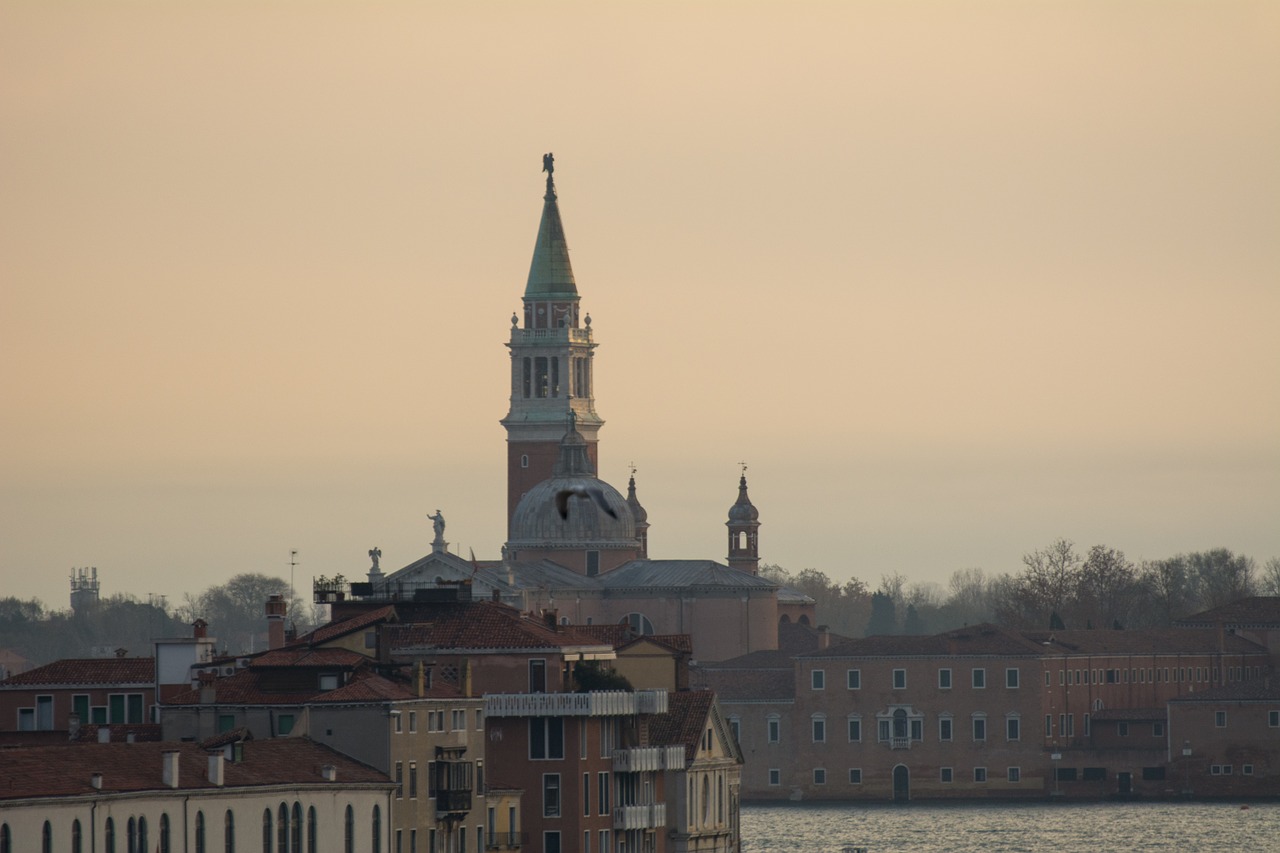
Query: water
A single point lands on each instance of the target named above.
(1013, 828)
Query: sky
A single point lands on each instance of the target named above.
(955, 280)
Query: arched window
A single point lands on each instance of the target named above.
(706, 800)
(349, 831)
(77, 845)
(108, 837)
(637, 622)
(164, 833)
(377, 828)
(131, 836)
(266, 831)
(142, 835)
(295, 829)
(229, 832)
(311, 830)
(283, 831)
(6, 841)
(46, 838)
(200, 846)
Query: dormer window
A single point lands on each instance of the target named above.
(329, 681)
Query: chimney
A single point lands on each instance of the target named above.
(96, 781)
(275, 620)
(419, 680)
(824, 637)
(329, 773)
(466, 678)
(497, 595)
(73, 726)
(170, 767)
(208, 693)
(199, 629)
(104, 734)
(216, 769)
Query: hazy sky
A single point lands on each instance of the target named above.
(955, 279)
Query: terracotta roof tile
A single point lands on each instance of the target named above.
(747, 685)
(73, 671)
(334, 630)
(1255, 610)
(684, 722)
(66, 770)
(981, 640)
(1150, 641)
(1265, 689)
(483, 625)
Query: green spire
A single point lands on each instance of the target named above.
(550, 274)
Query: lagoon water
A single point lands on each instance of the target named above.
(1013, 828)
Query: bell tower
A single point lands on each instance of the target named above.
(551, 361)
(744, 527)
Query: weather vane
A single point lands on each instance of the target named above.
(744, 468)
(632, 466)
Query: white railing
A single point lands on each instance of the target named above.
(598, 703)
(648, 758)
(652, 816)
(577, 336)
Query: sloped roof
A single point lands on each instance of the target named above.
(985, 640)
(747, 685)
(684, 721)
(796, 638)
(681, 574)
(1146, 641)
(787, 595)
(621, 636)
(334, 630)
(545, 574)
(483, 625)
(1256, 610)
(86, 671)
(1266, 689)
(43, 771)
(308, 657)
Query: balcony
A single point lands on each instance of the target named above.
(652, 816)
(900, 743)
(503, 841)
(598, 703)
(648, 759)
(550, 336)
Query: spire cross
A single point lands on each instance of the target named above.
(744, 468)
(632, 466)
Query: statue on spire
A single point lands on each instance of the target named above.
(549, 163)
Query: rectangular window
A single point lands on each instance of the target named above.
(460, 720)
(80, 707)
(604, 841)
(413, 780)
(1247, 769)
(546, 738)
(819, 730)
(1015, 774)
(1071, 725)
(882, 732)
(1048, 725)
(537, 676)
(431, 778)
(226, 722)
(818, 679)
(917, 729)
(551, 841)
(855, 729)
(1157, 729)
(284, 723)
(413, 722)
(899, 679)
(979, 678)
(979, 774)
(1093, 774)
(775, 729)
(1012, 678)
(944, 679)
(775, 776)
(395, 715)
(136, 708)
(1220, 719)
(735, 726)
(1062, 725)
(1046, 678)
(115, 708)
(1012, 728)
(1152, 774)
(855, 775)
(819, 776)
(399, 780)
(944, 728)
(593, 563)
(551, 795)
(399, 840)
(1122, 729)
(44, 713)
(945, 775)
(1086, 725)
(1273, 719)
(979, 728)
(586, 841)
(854, 679)
(26, 719)
(602, 798)
(480, 724)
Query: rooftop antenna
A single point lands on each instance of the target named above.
(293, 561)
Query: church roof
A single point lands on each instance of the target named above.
(681, 574)
(550, 274)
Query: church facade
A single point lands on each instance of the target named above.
(576, 545)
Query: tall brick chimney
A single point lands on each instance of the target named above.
(275, 620)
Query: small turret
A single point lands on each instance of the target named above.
(639, 514)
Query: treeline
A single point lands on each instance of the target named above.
(234, 611)
(1059, 586)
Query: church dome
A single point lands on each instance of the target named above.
(537, 521)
